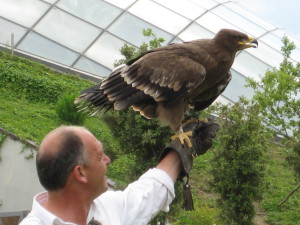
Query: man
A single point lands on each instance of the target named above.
(71, 166)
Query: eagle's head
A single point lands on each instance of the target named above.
(234, 40)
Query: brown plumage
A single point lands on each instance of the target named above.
(163, 83)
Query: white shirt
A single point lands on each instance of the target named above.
(136, 205)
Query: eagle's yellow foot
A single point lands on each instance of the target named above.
(183, 137)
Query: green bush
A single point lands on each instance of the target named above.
(67, 111)
(238, 162)
(122, 170)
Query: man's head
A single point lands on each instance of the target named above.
(72, 154)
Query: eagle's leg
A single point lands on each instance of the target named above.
(183, 137)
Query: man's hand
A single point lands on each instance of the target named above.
(201, 139)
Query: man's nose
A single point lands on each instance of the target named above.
(106, 159)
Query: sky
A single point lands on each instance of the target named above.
(284, 14)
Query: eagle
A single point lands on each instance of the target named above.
(166, 82)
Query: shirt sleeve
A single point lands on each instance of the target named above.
(142, 199)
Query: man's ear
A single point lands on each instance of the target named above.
(80, 174)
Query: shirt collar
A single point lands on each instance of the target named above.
(43, 214)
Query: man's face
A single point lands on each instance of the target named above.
(97, 165)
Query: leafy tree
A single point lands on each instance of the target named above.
(278, 94)
(237, 163)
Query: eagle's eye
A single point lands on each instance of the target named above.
(239, 37)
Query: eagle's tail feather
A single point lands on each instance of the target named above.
(93, 99)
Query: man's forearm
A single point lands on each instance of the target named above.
(171, 164)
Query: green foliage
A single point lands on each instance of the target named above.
(130, 52)
(294, 159)
(202, 215)
(122, 170)
(18, 75)
(237, 165)
(31, 114)
(67, 111)
(26, 119)
(142, 137)
(278, 94)
(278, 184)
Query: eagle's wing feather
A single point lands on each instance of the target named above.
(165, 74)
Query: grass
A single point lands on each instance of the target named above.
(279, 182)
(28, 121)
(33, 121)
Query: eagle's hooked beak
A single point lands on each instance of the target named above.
(251, 42)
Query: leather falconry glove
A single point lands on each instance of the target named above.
(201, 139)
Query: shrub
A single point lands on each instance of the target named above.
(237, 165)
(67, 111)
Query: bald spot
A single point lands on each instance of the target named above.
(53, 140)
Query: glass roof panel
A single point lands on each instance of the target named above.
(6, 29)
(239, 21)
(90, 66)
(96, 12)
(207, 4)
(183, 7)
(129, 28)
(40, 46)
(267, 54)
(50, 1)
(242, 11)
(195, 31)
(250, 66)
(122, 4)
(25, 12)
(106, 50)
(223, 100)
(236, 87)
(171, 22)
(272, 40)
(67, 30)
(295, 53)
(176, 40)
(214, 23)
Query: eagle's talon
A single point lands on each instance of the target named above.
(184, 138)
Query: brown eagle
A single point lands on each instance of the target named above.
(165, 82)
